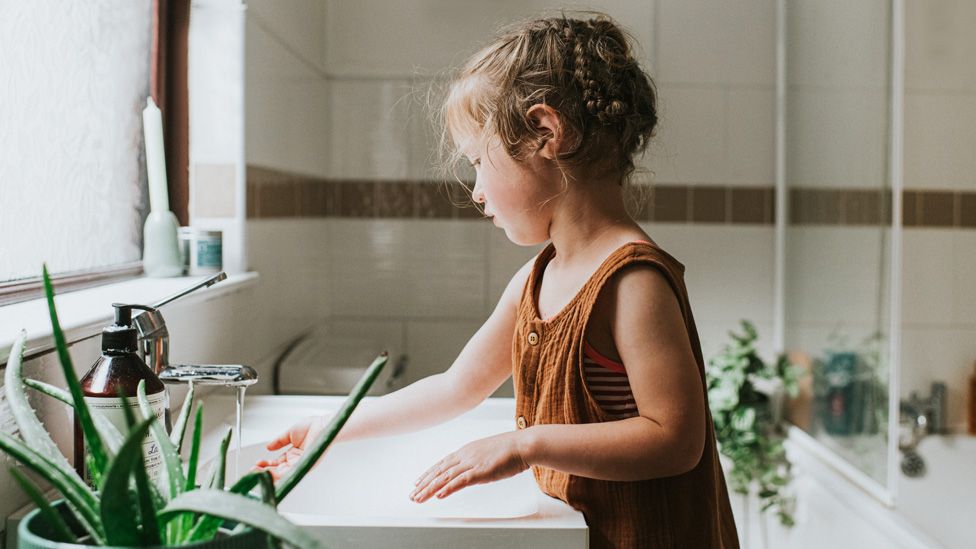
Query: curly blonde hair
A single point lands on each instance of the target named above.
(584, 68)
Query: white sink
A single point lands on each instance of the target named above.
(358, 495)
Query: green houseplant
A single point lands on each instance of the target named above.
(745, 395)
(126, 509)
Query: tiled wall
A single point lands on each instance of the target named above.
(939, 297)
(346, 109)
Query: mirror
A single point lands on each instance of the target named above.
(838, 262)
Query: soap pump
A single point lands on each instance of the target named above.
(115, 374)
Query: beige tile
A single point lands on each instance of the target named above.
(837, 138)
(394, 268)
(370, 127)
(716, 43)
(927, 296)
(822, 33)
(271, 55)
(939, 45)
(751, 136)
(939, 141)
(690, 146)
(214, 190)
(433, 345)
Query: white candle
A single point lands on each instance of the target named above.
(152, 122)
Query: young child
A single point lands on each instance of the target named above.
(611, 411)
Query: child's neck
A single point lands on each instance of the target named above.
(590, 219)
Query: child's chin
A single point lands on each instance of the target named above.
(522, 239)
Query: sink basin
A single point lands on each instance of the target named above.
(358, 494)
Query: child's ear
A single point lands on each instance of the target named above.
(547, 123)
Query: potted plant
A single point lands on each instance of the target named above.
(126, 509)
(746, 395)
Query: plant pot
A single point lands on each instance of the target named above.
(35, 533)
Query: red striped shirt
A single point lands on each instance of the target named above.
(608, 383)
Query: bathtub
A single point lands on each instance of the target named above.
(358, 495)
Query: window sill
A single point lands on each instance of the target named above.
(84, 313)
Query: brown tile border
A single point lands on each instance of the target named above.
(276, 194)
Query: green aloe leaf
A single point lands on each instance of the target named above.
(106, 429)
(172, 466)
(242, 509)
(220, 476)
(95, 445)
(73, 489)
(144, 489)
(52, 517)
(191, 470)
(30, 427)
(315, 451)
(179, 429)
(116, 504)
(208, 525)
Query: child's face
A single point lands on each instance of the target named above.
(517, 195)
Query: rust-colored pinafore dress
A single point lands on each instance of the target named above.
(687, 511)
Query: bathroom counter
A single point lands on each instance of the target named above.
(358, 494)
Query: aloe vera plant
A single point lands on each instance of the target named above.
(172, 512)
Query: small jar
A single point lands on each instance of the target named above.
(202, 251)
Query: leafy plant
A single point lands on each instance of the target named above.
(176, 511)
(742, 391)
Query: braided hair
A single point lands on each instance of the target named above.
(584, 68)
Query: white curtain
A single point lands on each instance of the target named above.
(74, 77)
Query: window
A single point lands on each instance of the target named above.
(74, 77)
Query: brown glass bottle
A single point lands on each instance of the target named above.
(115, 374)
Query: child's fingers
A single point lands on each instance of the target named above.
(283, 440)
(463, 480)
(423, 492)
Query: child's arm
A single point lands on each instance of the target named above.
(666, 439)
(481, 367)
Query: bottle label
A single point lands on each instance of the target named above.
(111, 409)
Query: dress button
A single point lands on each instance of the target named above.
(533, 338)
(520, 422)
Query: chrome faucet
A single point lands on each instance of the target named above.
(154, 348)
(921, 417)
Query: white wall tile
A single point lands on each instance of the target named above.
(504, 260)
(939, 354)
(964, 277)
(378, 38)
(717, 258)
(836, 138)
(705, 42)
(838, 44)
(370, 128)
(285, 41)
(833, 275)
(337, 352)
(690, 146)
(939, 140)
(927, 296)
(393, 268)
(288, 125)
(751, 136)
(939, 45)
(433, 345)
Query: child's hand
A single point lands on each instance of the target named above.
(298, 436)
(486, 460)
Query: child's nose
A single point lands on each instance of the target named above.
(477, 194)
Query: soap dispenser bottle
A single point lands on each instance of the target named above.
(118, 372)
